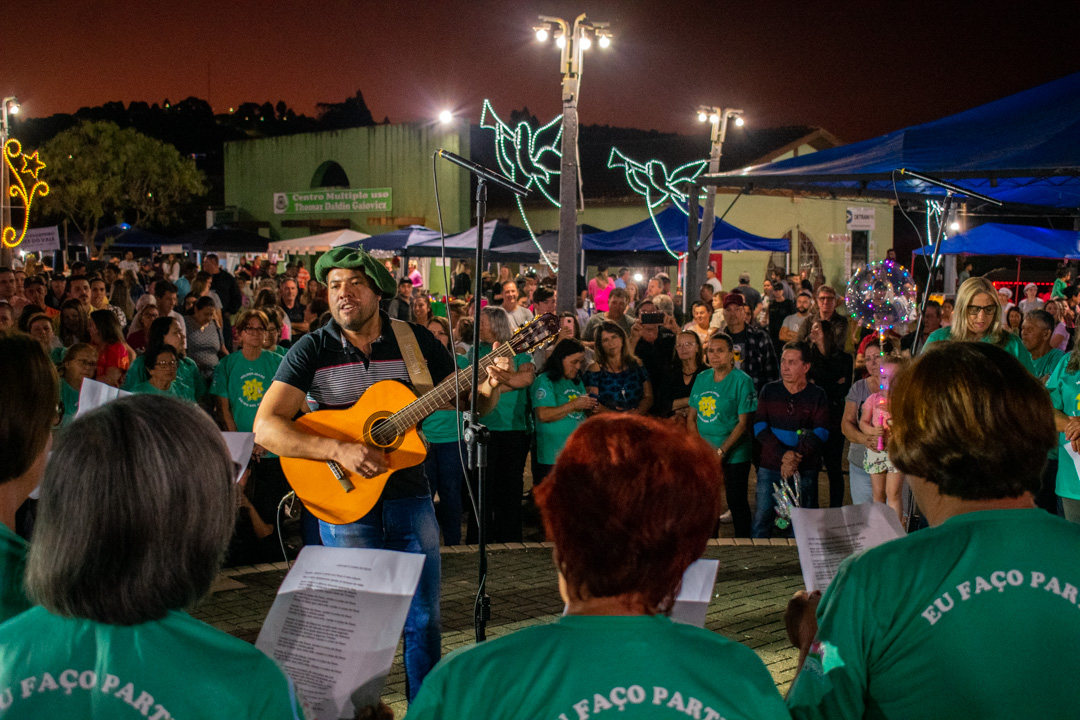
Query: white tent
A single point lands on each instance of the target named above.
(316, 243)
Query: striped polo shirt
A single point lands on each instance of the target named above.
(334, 373)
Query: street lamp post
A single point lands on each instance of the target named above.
(697, 261)
(10, 105)
(573, 40)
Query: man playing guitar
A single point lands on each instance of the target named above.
(330, 369)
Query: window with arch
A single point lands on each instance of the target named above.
(330, 174)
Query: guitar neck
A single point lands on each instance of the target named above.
(447, 391)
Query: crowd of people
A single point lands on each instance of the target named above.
(772, 382)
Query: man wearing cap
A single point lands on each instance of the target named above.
(751, 346)
(1031, 301)
(331, 368)
(1005, 298)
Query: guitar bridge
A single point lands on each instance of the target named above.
(339, 473)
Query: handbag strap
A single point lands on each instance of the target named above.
(414, 359)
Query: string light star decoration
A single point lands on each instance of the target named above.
(529, 157)
(658, 186)
(881, 296)
(30, 166)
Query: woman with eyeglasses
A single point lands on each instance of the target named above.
(167, 331)
(162, 367)
(79, 363)
(240, 381)
(978, 318)
(676, 378)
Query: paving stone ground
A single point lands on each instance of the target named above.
(754, 583)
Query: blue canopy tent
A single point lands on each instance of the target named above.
(1015, 240)
(396, 241)
(497, 233)
(223, 239)
(1022, 149)
(126, 236)
(672, 222)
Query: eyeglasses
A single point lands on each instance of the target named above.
(683, 346)
(826, 298)
(255, 329)
(167, 363)
(974, 310)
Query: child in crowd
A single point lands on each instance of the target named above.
(884, 477)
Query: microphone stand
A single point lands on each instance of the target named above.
(950, 190)
(476, 434)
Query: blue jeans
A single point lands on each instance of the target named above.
(405, 525)
(765, 512)
(446, 476)
(862, 490)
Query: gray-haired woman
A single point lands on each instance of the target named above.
(130, 532)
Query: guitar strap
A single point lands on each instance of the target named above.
(414, 359)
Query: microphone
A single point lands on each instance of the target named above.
(481, 171)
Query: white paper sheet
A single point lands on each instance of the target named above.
(1068, 448)
(94, 394)
(697, 587)
(692, 604)
(336, 622)
(826, 536)
(240, 446)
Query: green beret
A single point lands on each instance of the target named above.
(356, 259)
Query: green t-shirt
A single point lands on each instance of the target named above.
(718, 406)
(69, 399)
(1045, 365)
(243, 383)
(13, 598)
(1011, 344)
(191, 384)
(1064, 390)
(511, 413)
(439, 426)
(601, 666)
(176, 667)
(551, 436)
(175, 390)
(1058, 291)
(975, 618)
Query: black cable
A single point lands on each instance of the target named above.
(457, 385)
(278, 523)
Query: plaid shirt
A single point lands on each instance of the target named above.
(758, 356)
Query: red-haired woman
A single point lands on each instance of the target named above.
(630, 504)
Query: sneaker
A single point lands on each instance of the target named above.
(726, 518)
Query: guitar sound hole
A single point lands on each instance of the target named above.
(380, 434)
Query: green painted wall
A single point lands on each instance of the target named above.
(394, 156)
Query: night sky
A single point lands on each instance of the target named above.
(858, 69)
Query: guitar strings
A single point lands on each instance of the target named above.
(387, 431)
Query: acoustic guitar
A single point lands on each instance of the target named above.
(385, 417)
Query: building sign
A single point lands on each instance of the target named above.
(41, 240)
(839, 238)
(860, 218)
(361, 200)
